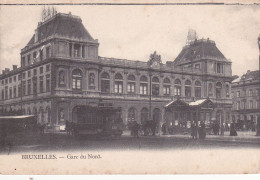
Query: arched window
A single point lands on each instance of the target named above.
(118, 83)
(132, 114)
(166, 86)
(157, 115)
(76, 79)
(210, 90)
(155, 86)
(131, 84)
(227, 91)
(187, 88)
(61, 78)
(197, 89)
(105, 82)
(144, 115)
(91, 80)
(177, 87)
(143, 85)
(218, 90)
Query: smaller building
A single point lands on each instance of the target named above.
(246, 98)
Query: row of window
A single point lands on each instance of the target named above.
(250, 93)
(27, 60)
(27, 88)
(246, 105)
(29, 74)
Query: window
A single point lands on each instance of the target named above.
(250, 104)
(10, 92)
(47, 68)
(10, 80)
(29, 59)
(187, 88)
(218, 90)
(3, 94)
(166, 86)
(48, 82)
(29, 86)
(144, 115)
(76, 50)
(132, 114)
(23, 61)
(29, 74)
(6, 81)
(227, 91)
(257, 104)
(35, 72)
(131, 84)
(41, 84)
(34, 56)
(47, 52)
(177, 87)
(155, 86)
(34, 85)
(3, 82)
(14, 91)
(23, 88)
(118, 83)
(219, 68)
(83, 51)
(24, 75)
(198, 89)
(257, 92)
(143, 85)
(197, 66)
(41, 70)
(105, 82)
(6, 92)
(41, 55)
(91, 80)
(238, 93)
(243, 105)
(76, 79)
(61, 78)
(250, 92)
(238, 105)
(19, 90)
(70, 50)
(14, 78)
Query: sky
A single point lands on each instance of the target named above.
(134, 32)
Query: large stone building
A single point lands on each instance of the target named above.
(246, 99)
(61, 68)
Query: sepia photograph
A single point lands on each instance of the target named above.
(129, 88)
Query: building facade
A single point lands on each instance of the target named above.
(246, 99)
(61, 69)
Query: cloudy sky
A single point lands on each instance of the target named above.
(134, 32)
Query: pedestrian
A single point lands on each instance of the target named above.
(164, 126)
(193, 131)
(233, 131)
(202, 131)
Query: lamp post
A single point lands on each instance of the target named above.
(258, 118)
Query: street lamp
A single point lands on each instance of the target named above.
(258, 118)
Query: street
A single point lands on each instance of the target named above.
(62, 142)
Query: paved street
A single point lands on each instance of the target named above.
(61, 142)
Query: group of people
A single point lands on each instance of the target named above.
(201, 130)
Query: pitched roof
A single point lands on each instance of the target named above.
(199, 49)
(250, 75)
(63, 25)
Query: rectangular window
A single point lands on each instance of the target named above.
(250, 92)
(19, 77)
(10, 92)
(118, 87)
(14, 91)
(10, 80)
(47, 68)
(19, 90)
(29, 86)
(187, 91)
(41, 55)
(47, 52)
(143, 88)
(29, 59)
(24, 88)
(197, 66)
(3, 94)
(34, 85)
(35, 72)
(83, 51)
(238, 105)
(70, 50)
(6, 81)
(219, 68)
(131, 87)
(14, 78)
(238, 93)
(197, 92)
(76, 50)
(34, 56)
(177, 90)
(251, 105)
(23, 61)
(41, 70)
(41, 84)
(24, 75)
(3, 82)
(155, 89)
(6, 92)
(48, 82)
(257, 92)
(166, 90)
(29, 74)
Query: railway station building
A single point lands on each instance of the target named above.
(61, 69)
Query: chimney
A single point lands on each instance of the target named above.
(3, 71)
(14, 67)
(7, 70)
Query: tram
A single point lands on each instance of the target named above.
(102, 119)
